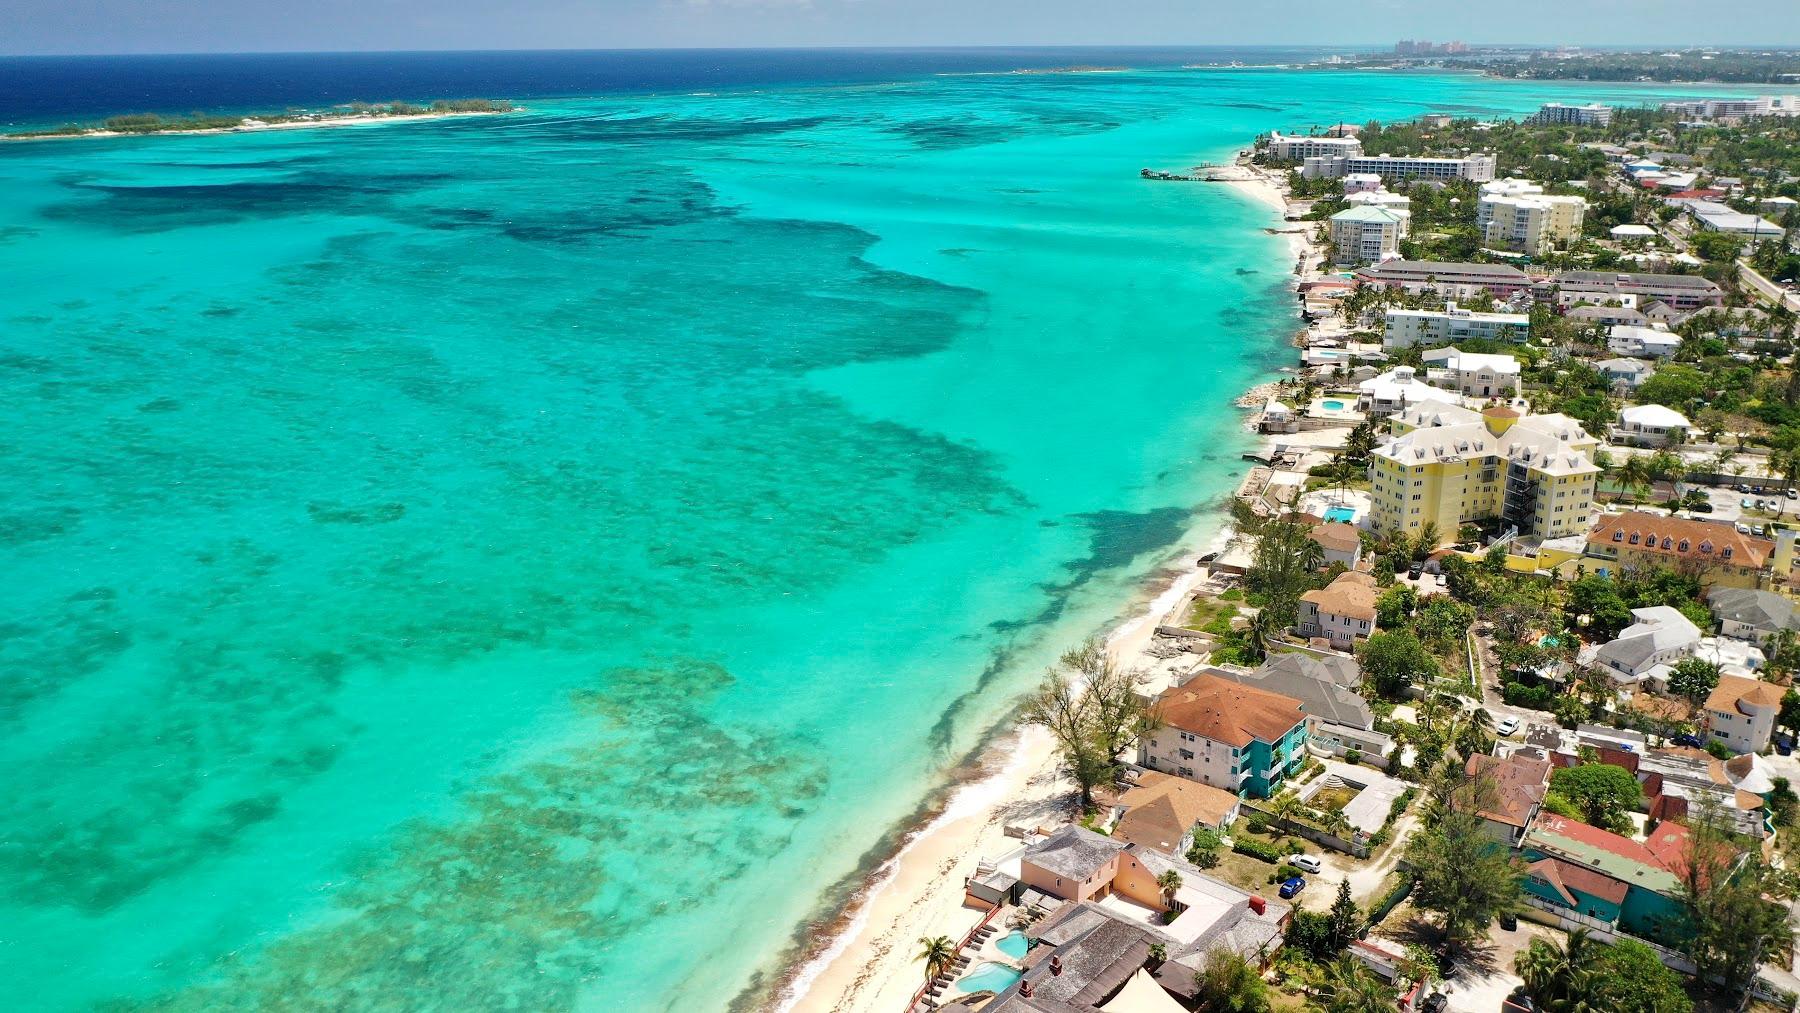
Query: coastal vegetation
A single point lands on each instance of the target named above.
(1735, 66)
(1093, 707)
(157, 123)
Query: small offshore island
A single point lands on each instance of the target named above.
(203, 123)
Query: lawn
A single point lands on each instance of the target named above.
(1333, 799)
(1211, 615)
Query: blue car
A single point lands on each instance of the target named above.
(1692, 741)
(1290, 887)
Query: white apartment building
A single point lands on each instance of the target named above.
(1528, 222)
(1397, 390)
(1453, 324)
(1472, 375)
(1365, 234)
(1477, 167)
(1651, 425)
(1642, 342)
(1735, 108)
(1717, 217)
(1741, 713)
(1591, 115)
(1381, 199)
(1291, 148)
(1361, 182)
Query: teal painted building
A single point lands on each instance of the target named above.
(1602, 875)
(1230, 735)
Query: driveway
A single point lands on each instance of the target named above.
(1483, 980)
(1366, 876)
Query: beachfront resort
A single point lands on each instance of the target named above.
(1487, 701)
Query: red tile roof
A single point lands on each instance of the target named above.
(1605, 840)
(1566, 876)
(1230, 712)
(1706, 540)
(1519, 784)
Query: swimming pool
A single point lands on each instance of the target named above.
(1341, 514)
(1332, 406)
(988, 977)
(1014, 944)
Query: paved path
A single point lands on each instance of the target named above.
(1366, 877)
(1766, 288)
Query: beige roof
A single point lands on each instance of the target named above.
(1229, 712)
(1553, 444)
(1733, 691)
(1162, 808)
(1143, 995)
(1352, 594)
(1336, 535)
(1519, 784)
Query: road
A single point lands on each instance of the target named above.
(1766, 288)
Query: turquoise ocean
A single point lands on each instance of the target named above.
(544, 561)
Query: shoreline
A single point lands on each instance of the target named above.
(257, 128)
(865, 961)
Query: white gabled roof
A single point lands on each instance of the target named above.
(1453, 358)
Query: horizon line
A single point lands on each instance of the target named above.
(850, 47)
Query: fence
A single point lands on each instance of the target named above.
(1322, 838)
(913, 1003)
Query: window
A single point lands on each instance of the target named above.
(1684, 545)
(1619, 536)
(1634, 538)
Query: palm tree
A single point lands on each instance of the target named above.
(1168, 883)
(1283, 807)
(938, 953)
(1261, 629)
(1561, 978)
(1229, 984)
(1352, 988)
(1427, 541)
(1633, 475)
(1312, 555)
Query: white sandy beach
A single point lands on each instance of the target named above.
(259, 127)
(871, 965)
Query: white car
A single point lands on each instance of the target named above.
(1307, 863)
(1507, 726)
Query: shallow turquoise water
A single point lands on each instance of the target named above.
(541, 560)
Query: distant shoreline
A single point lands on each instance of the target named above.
(259, 123)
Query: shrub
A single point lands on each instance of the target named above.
(1256, 849)
(1284, 872)
(1719, 749)
(1258, 823)
(1293, 846)
(1352, 756)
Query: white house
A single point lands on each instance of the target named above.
(1361, 182)
(1396, 390)
(1471, 374)
(1644, 651)
(1741, 713)
(1342, 612)
(1642, 342)
(1651, 425)
(1627, 373)
(1633, 231)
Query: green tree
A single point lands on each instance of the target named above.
(1463, 876)
(1203, 852)
(1169, 883)
(1633, 979)
(1395, 606)
(938, 953)
(1346, 918)
(1394, 660)
(1560, 979)
(1694, 678)
(1349, 987)
(1093, 707)
(1604, 793)
(1730, 928)
(1230, 985)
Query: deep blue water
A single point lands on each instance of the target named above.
(37, 90)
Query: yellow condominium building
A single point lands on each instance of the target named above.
(1446, 465)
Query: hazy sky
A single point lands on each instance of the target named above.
(160, 26)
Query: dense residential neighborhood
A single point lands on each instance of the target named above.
(1487, 704)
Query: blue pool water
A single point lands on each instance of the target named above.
(988, 978)
(1341, 514)
(1335, 406)
(1014, 944)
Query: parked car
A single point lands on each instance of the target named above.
(1415, 570)
(1291, 887)
(1507, 726)
(1792, 494)
(1509, 921)
(1692, 741)
(1308, 863)
(1701, 507)
(1784, 744)
(1436, 1002)
(1743, 487)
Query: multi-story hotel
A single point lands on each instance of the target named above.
(1450, 279)
(1477, 167)
(1406, 328)
(1591, 115)
(1290, 148)
(1366, 233)
(1448, 466)
(1528, 222)
(1682, 292)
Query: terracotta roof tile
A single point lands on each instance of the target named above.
(1706, 540)
(1733, 691)
(1352, 594)
(1229, 712)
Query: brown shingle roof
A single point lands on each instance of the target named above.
(1706, 540)
(1567, 876)
(1519, 785)
(1337, 535)
(1352, 594)
(1162, 808)
(1229, 712)
(1734, 690)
